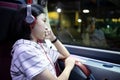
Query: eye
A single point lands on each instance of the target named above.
(44, 20)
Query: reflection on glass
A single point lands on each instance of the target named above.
(99, 28)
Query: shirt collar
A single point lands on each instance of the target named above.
(27, 42)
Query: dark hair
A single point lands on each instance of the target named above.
(22, 29)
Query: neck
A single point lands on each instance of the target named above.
(36, 40)
(40, 41)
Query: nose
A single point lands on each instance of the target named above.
(46, 28)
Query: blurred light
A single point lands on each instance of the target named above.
(79, 20)
(114, 20)
(86, 11)
(59, 10)
(108, 26)
(107, 19)
(119, 20)
(100, 20)
(53, 15)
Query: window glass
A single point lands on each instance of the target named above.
(90, 23)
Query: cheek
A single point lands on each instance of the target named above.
(39, 31)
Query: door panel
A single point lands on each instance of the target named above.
(104, 64)
(94, 53)
(101, 70)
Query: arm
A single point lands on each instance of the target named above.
(62, 50)
(46, 75)
(60, 47)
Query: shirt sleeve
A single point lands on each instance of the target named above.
(54, 54)
(32, 63)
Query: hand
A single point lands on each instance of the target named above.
(49, 34)
(69, 62)
(76, 58)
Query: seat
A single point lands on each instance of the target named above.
(7, 14)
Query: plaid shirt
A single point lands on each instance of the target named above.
(30, 58)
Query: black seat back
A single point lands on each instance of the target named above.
(7, 14)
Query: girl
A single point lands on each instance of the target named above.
(31, 58)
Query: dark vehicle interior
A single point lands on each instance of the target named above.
(103, 66)
(7, 12)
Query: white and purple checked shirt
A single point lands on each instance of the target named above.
(29, 59)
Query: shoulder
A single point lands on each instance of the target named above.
(24, 49)
(23, 45)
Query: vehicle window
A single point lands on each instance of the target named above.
(90, 23)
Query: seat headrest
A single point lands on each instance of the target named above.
(7, 13)
(9, 5)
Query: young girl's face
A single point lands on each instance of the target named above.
(39, 30)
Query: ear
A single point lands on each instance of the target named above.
(33, 24)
